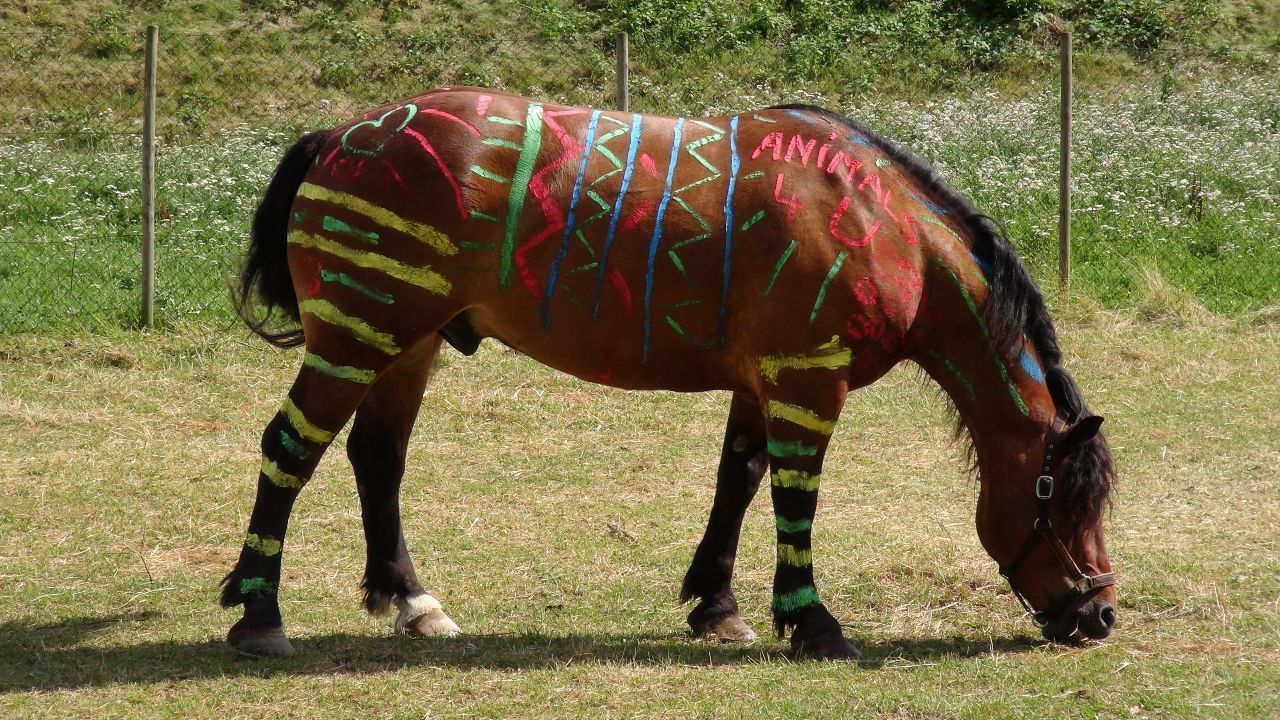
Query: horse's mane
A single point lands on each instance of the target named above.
(1014, 309)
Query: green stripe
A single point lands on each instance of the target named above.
(381, 216)
(499, 142)
(361, 330)
(954, 371)
(796, 480)
(786, 255)
(257, 586)
(822, 291)
(791, 526)
(484, 216)
(264, 545)
(345, 279)
(342, 372)
(752, 220)
(986, 336)
(294, 447)
(676, 326)
(796, 599)
(519, 189)
(423, 277)
(482, 172)
(503, 121)
(777, 448)
(754, 175)
(333, 224)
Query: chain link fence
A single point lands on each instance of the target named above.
(1175, 169)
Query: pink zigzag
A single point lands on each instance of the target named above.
(444, 169)
(550, 208)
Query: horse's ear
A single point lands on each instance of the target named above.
(1083, 431)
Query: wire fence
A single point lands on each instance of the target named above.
(1175, 170)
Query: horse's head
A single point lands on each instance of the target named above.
(1043, 524)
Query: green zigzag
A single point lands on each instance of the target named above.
(692, 149)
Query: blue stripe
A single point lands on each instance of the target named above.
(617, 210)
(568, 228)
(734, 163)
(934, 208)
(859, 140)
(657, 233)
(986, 267)
(1030, 365)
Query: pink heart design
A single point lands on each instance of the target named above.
(371, 141)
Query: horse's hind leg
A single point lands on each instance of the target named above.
(743, 462)
(333, 380)
(376, 447)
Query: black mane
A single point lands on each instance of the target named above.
(1014, 309)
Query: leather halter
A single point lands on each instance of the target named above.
(1082, 585)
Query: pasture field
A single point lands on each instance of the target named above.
(555, 520)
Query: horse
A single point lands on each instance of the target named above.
(786, 255)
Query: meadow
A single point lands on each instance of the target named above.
(555, 520)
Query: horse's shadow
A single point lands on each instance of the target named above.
(63, 656)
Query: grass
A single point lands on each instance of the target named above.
(129, 458)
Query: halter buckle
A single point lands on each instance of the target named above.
(1044, 487)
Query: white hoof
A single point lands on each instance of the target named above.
(731, 629)
(423, 615)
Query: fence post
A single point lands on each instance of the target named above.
(624, 70)
(149, 177)
(1064, 179)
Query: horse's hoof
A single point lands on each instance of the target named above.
(831, 646)
(422, 615)
(729, 628)
(260, 642)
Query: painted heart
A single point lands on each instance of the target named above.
(368, 137)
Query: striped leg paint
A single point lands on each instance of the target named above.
(795, 479)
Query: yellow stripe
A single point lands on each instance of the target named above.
(427, 234)
(279, 477)
(797, 479)
(803, 417)
(265, 545)
(303, 425)
(794, 556)
(363, 331)
(828, 355)
(423, 277)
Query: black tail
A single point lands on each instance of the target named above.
(266, 269)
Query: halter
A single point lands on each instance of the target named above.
(1082, 585)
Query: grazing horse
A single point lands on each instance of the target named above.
(785, 255)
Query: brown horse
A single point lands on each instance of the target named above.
(785, 255)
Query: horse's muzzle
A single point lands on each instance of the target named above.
(1093, 620)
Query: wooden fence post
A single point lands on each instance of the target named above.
(1064, 179)
(624, 70)
(149, 177)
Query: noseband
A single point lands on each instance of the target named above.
(1082, 585)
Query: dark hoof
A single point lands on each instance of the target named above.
(260, 642)
(730, 628)
(830, 646)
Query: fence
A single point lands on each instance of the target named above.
(1174, 176)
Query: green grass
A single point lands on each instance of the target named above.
(128, 463)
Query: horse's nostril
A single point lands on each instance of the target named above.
(1107, 615)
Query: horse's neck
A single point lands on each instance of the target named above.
(1004, 407)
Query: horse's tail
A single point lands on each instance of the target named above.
(265, 273)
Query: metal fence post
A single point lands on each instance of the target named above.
(624, 70)
(1064, 179)
(149, 177)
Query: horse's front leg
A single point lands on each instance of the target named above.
(800, 416)
(377, 447)
(743, 462)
